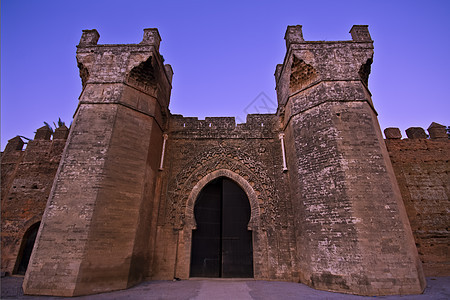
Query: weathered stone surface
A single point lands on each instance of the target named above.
(340, 174)
(97, 216)
(392, 133)
(416, 133)
(14, 144)
(422, 170)
(437, 131)
(330, 215)
(360, 33)
(43, 133)
(199, 151)
(89, 37)
(26, 180)
(294, 34)
(61, 133)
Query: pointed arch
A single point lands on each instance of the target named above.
(252, 197)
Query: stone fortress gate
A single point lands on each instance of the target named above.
(307, 194)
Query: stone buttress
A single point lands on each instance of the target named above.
(351, 227)
(93, 233)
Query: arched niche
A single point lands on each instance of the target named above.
(26, 248)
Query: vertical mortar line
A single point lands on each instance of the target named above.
(163, 151)
(281, 137)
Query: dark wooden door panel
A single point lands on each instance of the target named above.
(237, 252)
(222, 244)
(206, 239)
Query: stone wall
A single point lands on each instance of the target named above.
(27, 178)
(422, 169)
(351, 227)
(328, 212)
(93, 235)
(199, 151)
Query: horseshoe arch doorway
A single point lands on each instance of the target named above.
(221, 243)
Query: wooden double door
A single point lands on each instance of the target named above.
(222, 244)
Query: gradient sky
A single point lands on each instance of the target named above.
(223, 53)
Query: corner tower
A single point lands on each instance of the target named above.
(93, 235)
(351, 227)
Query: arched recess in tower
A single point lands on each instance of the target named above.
(364, 71)
(302, 75)
(84, 74)
(143, 76)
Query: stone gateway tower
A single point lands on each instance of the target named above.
(306, 195)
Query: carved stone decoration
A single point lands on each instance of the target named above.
(143, 77)
(249, 174)
(260, 242)
(302, 75)
(253, 224)
(218, 158)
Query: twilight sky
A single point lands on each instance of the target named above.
(223, 54)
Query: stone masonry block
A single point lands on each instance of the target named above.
(61, 133)
(437, 131)
(416, 133)
(43, 133)
(293, 35)
(151, 37)
(392, 133)
(89, 38)
(360, 33)
(15, 143)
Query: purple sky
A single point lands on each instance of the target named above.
(223, 55)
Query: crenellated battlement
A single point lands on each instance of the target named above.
(435, 132)
(179, 122)
(316, 72)
(44, 137)
(120, 58)
(257, 126)
(42, 154)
